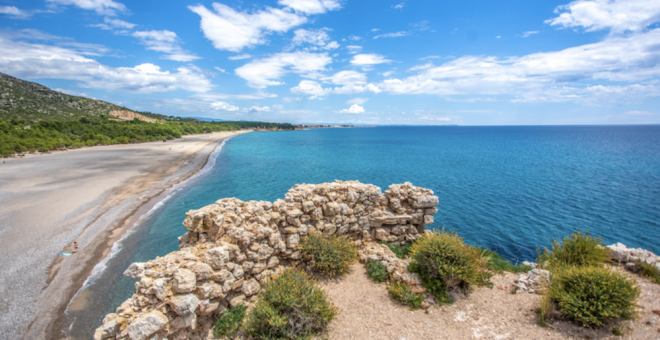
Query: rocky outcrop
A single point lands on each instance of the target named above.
(130, 115)
(533, 282)
(233, 247)
(623, 254)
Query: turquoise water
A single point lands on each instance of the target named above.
(508, 189)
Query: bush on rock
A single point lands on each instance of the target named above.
(228, 322)
(576, 250)
(290, 307)
(406, 295)
(593, 295)
(445, 264)
(376, 271)
(330, 255)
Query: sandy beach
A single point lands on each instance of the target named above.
(86, 195)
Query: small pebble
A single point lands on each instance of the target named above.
(652, 320)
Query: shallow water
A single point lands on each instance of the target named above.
(508, 189)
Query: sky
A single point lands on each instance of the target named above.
(347, 61)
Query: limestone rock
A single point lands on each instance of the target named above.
(184, 281)
(217, 257)
(251, 287)
(135, 271)
(147, 325)
(184, 304)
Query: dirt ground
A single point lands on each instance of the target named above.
(367, 312)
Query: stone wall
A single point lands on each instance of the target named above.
(233, 247)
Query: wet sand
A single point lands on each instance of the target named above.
(86, 195)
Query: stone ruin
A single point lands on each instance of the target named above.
(233, 247)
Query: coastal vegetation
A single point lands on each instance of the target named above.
(582, 289)
(649, 271)
(376, 271)
(446, 264)
(290, 306)
(229, 321)
(579, 249)
(330, 255)
(18, 136)
(406, 295)
(498, 264)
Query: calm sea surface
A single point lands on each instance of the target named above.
(508, 189)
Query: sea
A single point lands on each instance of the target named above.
(510, 189)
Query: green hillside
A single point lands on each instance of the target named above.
(22, 99)
(35, 118)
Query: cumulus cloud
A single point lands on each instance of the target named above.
(320, 38)
(35, 61)
(617, 15)
(311, 6)
(165, 42)
(566, 75)
(14, 12)
(233, 30)
(224, 106)
(358, 101)
(312, 88)
(265, 72)
(348, 78)
(368, 59)
(103, 7)
(354, 109)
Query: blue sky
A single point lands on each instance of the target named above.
(348, 61)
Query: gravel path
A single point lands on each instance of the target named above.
(367, 312)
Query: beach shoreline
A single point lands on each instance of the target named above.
(89, 195)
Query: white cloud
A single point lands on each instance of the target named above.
(111, 24)
(211, 97)
(224, 106)
(103, 7)
(311, 6)
(387, 74)
(265, 72)
(528, 33)
(354, 109)
(231, 30)
(257, 109)
(431, 57)
(392, 35)
(375, 30)
(37, 61)
(399, 6)
(368, 59)
(291, 100)
(14, 12)
(354, 37)
(349, 78)
(638, 113)
(165, 42)
(319, 38)
(617, 15)
(548, 76)
(421, 67)
(358, 101)
(220, 69)
(71, 92)
(240, 57)
(312, 88)
(353, 49)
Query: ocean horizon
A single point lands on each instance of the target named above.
(509, 189)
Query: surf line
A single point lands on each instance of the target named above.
(168, 194)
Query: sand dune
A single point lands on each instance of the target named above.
(47, 202)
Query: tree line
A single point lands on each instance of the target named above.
(18, 136)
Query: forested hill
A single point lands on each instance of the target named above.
(22, 99)
(34, 118)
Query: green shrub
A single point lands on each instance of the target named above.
(576, 250)
(404, 294)
(650, 271)
(399, 251)
(498, 264)
(228, 322)
(593, 295)
(546, 309)
(290, 307)
(376, 271)
(444, 262)
(330, 255)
